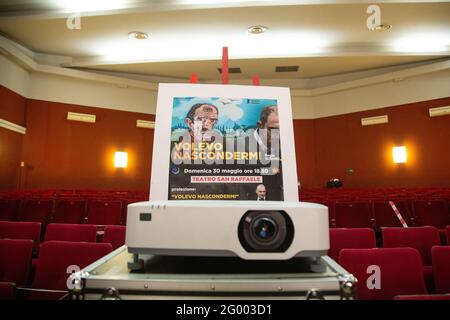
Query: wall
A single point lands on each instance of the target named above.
(342, 143)
(329, 137)
(66, 154)
(12, 109)
(421, 87)
(305, 151)
(14, 77)
(84, 92)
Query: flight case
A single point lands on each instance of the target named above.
(173, 277)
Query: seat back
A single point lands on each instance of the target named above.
(15, 260)
(21, 230)
(9, 209)
(69, 211)
(399, 271)
(38, 210)
(353, 215)
(71, 232)
(115, 235)
(104, 212)
(441, 268)
(54, 260)
(431, 213)
(347, 238)
(420, 238)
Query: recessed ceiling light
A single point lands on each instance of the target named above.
(257, 29)
(381, 27)
(137, 35)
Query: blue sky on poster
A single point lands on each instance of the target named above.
(244, 112)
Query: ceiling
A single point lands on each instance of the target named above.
(309, 67)
(187, 36)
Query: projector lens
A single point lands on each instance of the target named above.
(265, 229)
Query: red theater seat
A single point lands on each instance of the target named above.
(441, 268)
(348, 238)
(103, 212)
(431, 213)
(21, 230)
(38, 210)
(54, 260)
(69, 211)
(9, 209)
(353, 215)
(115, 235)
(71, 232)
(400, 271)
(7, 291)
(420, 238)
(15, 260)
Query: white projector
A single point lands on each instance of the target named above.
(251, 230)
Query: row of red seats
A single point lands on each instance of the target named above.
(19, 240)
(377, 214)
(396, 273)
(84, 193)
(400, 268)
(422, 239)
(101, 207)
(51, 270)
(65, 210)
(341, 214)
(305, 194)
(375, 194)
(115, 235)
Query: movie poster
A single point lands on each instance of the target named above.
(223, 142)
(225, 149)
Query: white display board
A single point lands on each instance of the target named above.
(223, 142)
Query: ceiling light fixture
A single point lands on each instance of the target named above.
(381, 28)
(137, 35)
(399, 154)
(257, 29)
(422, 42)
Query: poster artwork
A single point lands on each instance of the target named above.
(225, 149)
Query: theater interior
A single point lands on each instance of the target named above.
(370, 100)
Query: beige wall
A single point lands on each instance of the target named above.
(419, 88)
(91, 93)
(14, 77)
